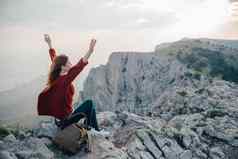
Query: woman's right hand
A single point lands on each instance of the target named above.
(48, 40)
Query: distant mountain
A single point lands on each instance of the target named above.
(21, 101)
(20, 104)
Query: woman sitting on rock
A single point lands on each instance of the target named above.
(56, 99)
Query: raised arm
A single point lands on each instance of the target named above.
(76, 69)
(90, 50)
(52, 51)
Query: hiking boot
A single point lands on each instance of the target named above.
(102, 133)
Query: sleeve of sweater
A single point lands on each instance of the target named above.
(52, 53)
(75, 70)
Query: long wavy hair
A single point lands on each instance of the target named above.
(56, 68)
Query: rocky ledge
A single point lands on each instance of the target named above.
(194, 136)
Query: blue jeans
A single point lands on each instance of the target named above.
(86, 109)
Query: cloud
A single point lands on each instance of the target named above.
(93, 15)
(235, 11)
(81, 15)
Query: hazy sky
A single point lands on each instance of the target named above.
(118, 25)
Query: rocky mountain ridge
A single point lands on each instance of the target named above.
(136, 81)
(174, 103)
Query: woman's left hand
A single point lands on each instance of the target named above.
(92, 45)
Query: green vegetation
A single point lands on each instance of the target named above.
(6, 130)
(207, 62)
(3, 132)
(182, 93)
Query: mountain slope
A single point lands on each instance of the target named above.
(21, 101)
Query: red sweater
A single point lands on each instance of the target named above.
(57, 100)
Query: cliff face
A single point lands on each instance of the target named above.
(131, 81)
(141, 82)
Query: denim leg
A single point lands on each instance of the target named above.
(93, 119)
(87, 109)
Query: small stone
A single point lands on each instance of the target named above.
(187, 154)
(168, 153)
(200, 154)
(21, 134)
(2, 147)
(47, 130)
(38, 147)
(24, 154)
(46, 141)
(7, 155)
(146, 155)
(10, 138)
(187, 140)
(216, 152)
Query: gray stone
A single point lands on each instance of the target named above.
(187, 154)
(46, 129)
(10, 138)
(2, 145)
(146, 155)
(149, 143)
(169, 154)
(24, 154)
(7, 155)
(216, 153)
(46, 141)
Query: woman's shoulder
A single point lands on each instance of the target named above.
(62, 79)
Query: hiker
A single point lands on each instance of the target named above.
(56, 99)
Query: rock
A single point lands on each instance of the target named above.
(149, 143)
(108, 120)
(38, 147)
(24, 154)
(10, 138)
(216, 153)
(46, 141)
(146, 155)
(182, 137)
(2, 146)
(33, 154)
(46, 129)
(21, 134)
(187, 154)
(7, 155)
(137, 149)
(169, 153)
(101, 149)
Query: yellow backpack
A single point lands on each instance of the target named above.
(73, 139)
